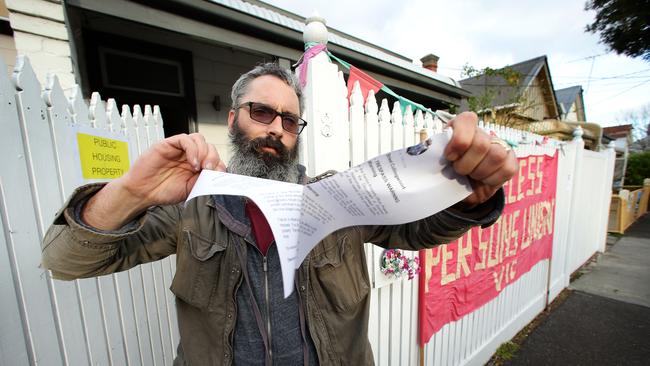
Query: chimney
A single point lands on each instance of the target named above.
(430, 62)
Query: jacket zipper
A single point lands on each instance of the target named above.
(268, 307)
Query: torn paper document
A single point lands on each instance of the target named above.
(395, 188)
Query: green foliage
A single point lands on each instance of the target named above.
(507, 351)
(638, 168)
(623, 25)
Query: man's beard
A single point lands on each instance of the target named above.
(249, 159)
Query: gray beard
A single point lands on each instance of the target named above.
(247, 159)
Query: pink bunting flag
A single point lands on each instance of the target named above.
(304, 63)
(366, 82)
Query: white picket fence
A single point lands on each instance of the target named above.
(340, 135)
(129, 318)
(123, 319)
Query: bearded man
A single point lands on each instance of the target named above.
(228, 282)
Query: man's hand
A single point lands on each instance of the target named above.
(164, 174)
(477, 155)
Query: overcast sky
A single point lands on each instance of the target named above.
(496, 33)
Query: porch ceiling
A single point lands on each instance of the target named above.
(264, 28)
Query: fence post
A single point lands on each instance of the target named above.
(574, 211)
(607, 194)
(325, 107)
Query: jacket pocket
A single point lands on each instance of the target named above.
(341, 275)
(198, 269)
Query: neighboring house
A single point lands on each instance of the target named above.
(572, 104)
(514, 95)
(522, 96)
(622, 137)
(184, 55)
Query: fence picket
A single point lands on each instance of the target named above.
(158, 121)
(113, 116)
(18, 228)
(148, 271)
(157, 268)
(73, 317)
(357, 126)
(410, 134)
(38, 152)
(121, 281)
(136, 279)
(168, 264)
(385, 130)
(107, 286)
(395, 328)
(419, 125)
(397, 128)
(90, 290)
(97, 113)
(413, 346)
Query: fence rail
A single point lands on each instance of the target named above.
(129, 318)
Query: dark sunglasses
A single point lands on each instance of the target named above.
(265, 114)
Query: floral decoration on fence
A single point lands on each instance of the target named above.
(395, 264)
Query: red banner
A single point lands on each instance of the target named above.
(459, 277)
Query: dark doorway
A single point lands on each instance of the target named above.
(137, 72)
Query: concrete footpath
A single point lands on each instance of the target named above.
(605, 318)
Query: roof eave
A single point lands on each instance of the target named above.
(455, 93)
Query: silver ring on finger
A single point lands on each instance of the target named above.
(498, 141)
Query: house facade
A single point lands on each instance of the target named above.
(184, 55)
(514, 95)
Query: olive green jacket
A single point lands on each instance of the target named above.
(333, 280)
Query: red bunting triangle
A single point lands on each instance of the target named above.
(366, 82)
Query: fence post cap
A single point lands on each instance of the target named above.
(577, 133)
(315, 30)
(646, 182)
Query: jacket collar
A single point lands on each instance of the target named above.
(232, 213)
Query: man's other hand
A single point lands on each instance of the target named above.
(484, 159)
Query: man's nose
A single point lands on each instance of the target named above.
(275, 127)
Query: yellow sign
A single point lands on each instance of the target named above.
(101, 157)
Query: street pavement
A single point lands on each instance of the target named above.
(605, 319)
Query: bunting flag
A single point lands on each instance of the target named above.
(304, 61)
(402, 101)
(366, 82)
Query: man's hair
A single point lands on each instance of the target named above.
(241, 85)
